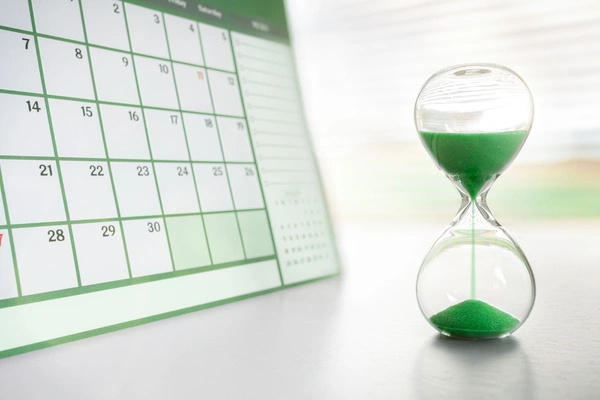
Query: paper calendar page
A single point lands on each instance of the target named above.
(154, 160)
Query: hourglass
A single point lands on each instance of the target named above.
(475, 282)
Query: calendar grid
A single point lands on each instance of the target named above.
(108, 164)
(109, 161)
(258, 173)
(134, 218)
(51, 127)
(135, 74)
(187, 145)
(212, 103)
(74, 291)
(143, 110)
(97, 46)
(201, 231)
(112, 103)
(9, 229)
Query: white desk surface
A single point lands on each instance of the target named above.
(360, 336)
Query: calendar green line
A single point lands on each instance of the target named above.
(51, 158)
(154, 160)
(84, 221)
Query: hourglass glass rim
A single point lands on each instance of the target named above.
(477, 66)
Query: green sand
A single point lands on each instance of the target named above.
(474, 319)
(473, 158)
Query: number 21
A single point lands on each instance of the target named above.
(45, 169)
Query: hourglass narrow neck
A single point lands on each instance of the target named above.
(474, 211)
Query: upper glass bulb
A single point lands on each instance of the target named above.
(482, 111)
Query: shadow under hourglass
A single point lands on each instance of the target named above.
(455, 369)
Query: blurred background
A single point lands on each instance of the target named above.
(362, 63)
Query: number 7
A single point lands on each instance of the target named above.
(26, 43)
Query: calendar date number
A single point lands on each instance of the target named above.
(182, 171)
(108, 230)
(45, 169)
(96, 170)
(143, 170)
(33, 106)
(57, 235)
(153, 227)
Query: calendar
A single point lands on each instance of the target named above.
(154, 161)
